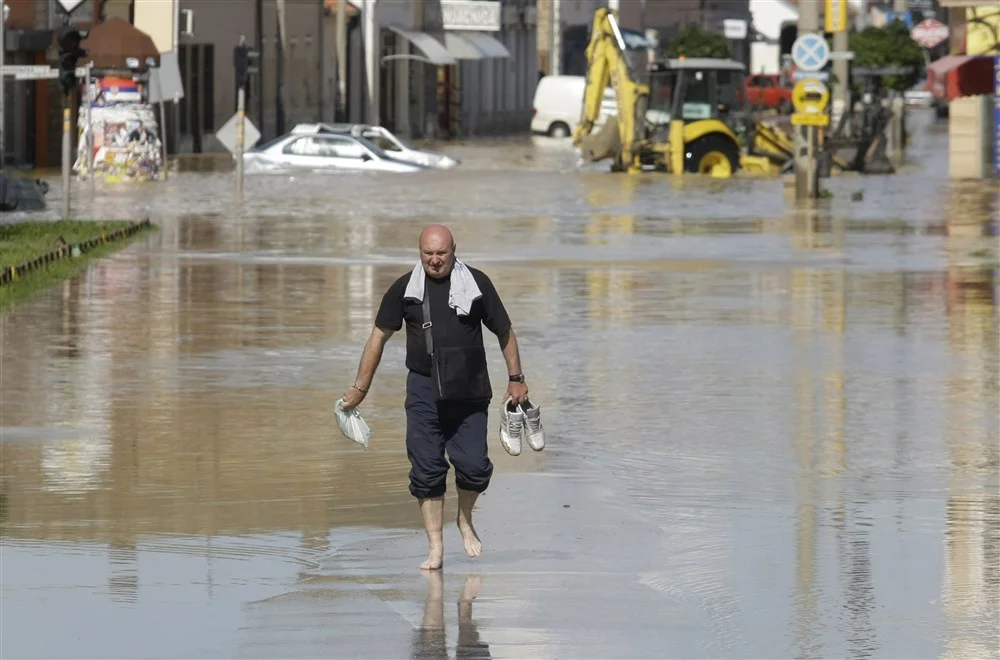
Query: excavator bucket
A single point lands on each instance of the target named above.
(605, 143)
(772, 142)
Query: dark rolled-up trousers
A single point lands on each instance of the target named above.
(435, 426)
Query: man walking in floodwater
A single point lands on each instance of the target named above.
(444, 304)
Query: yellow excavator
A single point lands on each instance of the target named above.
(690, 116)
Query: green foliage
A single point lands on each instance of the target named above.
(21, 242)
(692, 41)
(24, 241)
(889, 46)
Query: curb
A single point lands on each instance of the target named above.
(14, 273)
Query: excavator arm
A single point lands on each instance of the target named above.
(622, 138)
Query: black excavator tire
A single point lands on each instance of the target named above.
(713, 142)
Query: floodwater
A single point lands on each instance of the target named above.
(772, 430)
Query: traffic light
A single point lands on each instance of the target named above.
(69, 53)
(245, 62)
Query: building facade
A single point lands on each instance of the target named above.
(422, 68)
(32, 108)
(291, 85)
(434, 68)
(446, 68)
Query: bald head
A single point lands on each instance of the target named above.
(436, 234)
(437, 250)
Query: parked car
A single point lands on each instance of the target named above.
(558, 103)
(341, 151)
(385, 140)
(769, 91)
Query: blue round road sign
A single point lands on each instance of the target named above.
(810, 52)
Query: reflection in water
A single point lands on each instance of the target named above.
(773, 430)
(971, 584)
(430, 639)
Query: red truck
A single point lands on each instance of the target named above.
(770, 91)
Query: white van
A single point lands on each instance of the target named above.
(559, 102)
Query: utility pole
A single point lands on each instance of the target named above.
(321, 60)
(67, 97)
(259, 27)
(279, 73)
(837, 23)
(899, 8)
(806, 181)
(342, 61)
(372, 52)
(556, 50)
(421, 121)
(89, 100)
(242, 65)
(69, 53)
(3, 133)
(241, 96)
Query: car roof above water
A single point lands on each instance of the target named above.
(323, 127)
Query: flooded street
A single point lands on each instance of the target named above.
(772, 430)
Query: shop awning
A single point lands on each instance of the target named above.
(432, 49)
(955, 76)
(487, 46)
(461, 49)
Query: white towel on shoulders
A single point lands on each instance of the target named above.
(462, 291)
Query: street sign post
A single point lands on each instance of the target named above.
(227, 134)
(35, 71)
(836, 16)
(69, 6)
(810, 75)
(810, 52)
(237, 134)
(929, 32)
(733, 28)
(810, 96)
(809, 119)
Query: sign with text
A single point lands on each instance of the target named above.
(733, 28)
(929, 32)
(836, 15)
(807, 119)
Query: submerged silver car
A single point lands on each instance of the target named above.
(384, 139)
(319, 151)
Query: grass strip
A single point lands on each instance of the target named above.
(24, 242)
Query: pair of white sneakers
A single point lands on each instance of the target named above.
(521, 422)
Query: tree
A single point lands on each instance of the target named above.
(692, 41)
(889, 46)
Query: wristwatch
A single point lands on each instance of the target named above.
(516, 378)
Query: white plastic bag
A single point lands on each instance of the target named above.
(353, 425)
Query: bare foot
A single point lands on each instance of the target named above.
(471, 588)
(432, 512)
(435, 558)
(473, 546)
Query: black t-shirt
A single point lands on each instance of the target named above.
(449, 328)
